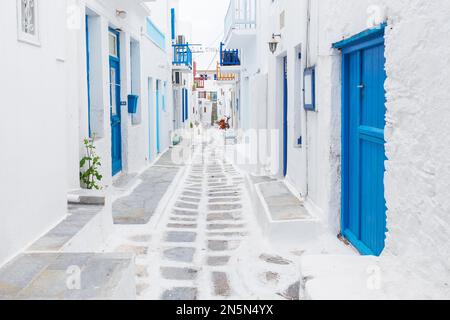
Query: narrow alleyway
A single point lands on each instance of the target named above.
(206, 243)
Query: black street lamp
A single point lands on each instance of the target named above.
(273, 44)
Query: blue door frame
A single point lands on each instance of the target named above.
(88, 72)
(115, 108)
(183, 108)
(150, 118)
(158, 99)
(285, 115)
(363, 153)
(186, 105)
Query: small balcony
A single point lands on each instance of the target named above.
(229, 57)
(240, 23)
(182, 57)
(224, 77)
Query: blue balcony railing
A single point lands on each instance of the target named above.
(241, 15)
(229, 57)
(182, 55)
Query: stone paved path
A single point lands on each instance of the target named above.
(200, 232)
(205, 246)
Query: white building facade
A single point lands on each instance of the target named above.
(182, 68)
(378, 175)
(74, 69)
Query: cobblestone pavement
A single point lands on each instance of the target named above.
(206, 244)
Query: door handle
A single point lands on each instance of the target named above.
(361, 86)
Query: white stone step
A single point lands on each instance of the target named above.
(68, 276)
(341, 277)
(281, 215)
(85, 228)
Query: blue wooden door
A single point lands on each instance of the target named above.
(364, 205)
(115, 103)
(285, 115)
(158, 99)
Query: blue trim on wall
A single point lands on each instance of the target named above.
(116, 135)
(285, 116)
(363, 40)
(312, 72)
(185, 104)
(158, 99)
(182, 105)
(150, 116)
(172, 17)
(88, 70)
(156, 35)
(363, 36)
(186, 112)
(344, 152)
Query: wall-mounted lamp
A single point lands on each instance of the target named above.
(273, 44)
(121, 14)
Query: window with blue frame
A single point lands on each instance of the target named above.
(309, 89)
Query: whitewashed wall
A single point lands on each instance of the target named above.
(32, 130)
(155, 71)
(137, 130)
(417, 179)
(417, 171)
(46, 120)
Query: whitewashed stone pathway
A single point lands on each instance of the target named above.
(206, 244)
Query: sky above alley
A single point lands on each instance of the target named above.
(207, 20)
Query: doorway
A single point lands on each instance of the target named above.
(115, 101)
(363, 120)
(285, 115)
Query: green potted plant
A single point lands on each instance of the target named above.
(90, 164)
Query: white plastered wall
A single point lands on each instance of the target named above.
(417, 171)
(136, 153)
(32, 130)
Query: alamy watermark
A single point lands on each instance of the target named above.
(73, 15)
(258, 148)
(376, 15)
(373, 277)
(73, 280)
